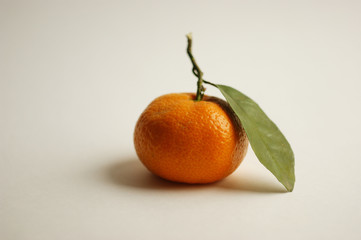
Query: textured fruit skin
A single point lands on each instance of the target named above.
(186, 141)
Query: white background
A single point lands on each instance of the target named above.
(76, 75)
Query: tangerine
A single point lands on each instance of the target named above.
(188, 141)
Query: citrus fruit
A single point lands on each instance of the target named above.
(184, 140)
(195, 138)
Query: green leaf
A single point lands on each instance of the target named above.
(268, 143)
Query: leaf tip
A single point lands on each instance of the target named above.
(289, 186)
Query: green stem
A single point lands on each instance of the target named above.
(196, 70)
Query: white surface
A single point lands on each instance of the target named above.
(75, 76)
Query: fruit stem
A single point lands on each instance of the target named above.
(196, 70)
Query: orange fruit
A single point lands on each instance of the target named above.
(183, 140)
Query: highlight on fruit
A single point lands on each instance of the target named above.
(195, 138)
